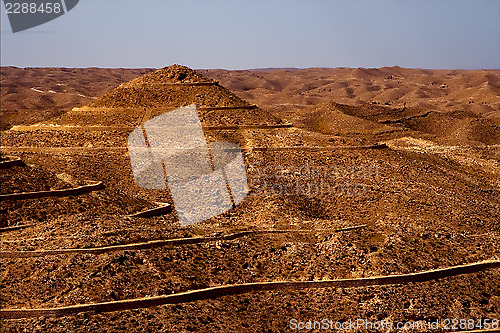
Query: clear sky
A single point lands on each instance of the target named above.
(237, 34)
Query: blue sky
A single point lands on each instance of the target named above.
(237, 34)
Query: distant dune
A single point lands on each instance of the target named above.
(285, 90)
(31, 95)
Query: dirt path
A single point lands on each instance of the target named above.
(238, 289)
(158, 243)
(55, 193)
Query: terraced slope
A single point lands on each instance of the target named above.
(418, 213)
(31, 194)
(424, 206)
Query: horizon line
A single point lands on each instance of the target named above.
(254, 69)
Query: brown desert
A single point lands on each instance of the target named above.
(373, 193)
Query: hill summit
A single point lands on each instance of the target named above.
(143, 98)
(169, 87)
(172, 74)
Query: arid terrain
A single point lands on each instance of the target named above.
(360, 180)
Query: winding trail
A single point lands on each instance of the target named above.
(309, 149)
(16, 227)
(229, 108)
(154, 84)
(56, 150)
(54, 193)
(92, 149)
(77, 128)
(164, 208)
(239, 127)
(9, 164)
(238, 289)
(159, 243)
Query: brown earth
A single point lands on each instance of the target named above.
(429, 200)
